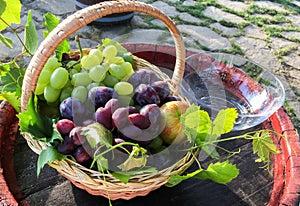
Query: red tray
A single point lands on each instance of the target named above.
(286, 165)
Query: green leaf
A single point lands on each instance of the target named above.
(222, 124)
(97, 135)
(31, 38)
(12, 79)
(121, 176)
(12, 99)
(4, 68)
(6, 41)
(176, 179)
(33, 122)
(263, 146)
(136, 159)
(2, 6)
(220, 172)
(195, 121)
(48, 155)
(11, 13)
(50, 22)
(224, 121)
(102, 163)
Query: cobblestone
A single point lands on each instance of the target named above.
(279, 43)
(167, 9)
(258, 51)
(271, 5)
(228, 31)
(254, 31)
(235, 5)
(206, 37)
(218, 15)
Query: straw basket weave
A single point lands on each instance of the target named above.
(94, 182)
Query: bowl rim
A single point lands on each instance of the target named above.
(276, 104)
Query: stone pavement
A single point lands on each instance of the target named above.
(263, 31)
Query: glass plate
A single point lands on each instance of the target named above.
(217, 81)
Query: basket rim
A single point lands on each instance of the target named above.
(82, 18)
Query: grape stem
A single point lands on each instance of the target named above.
(14, 30)
(110, 149)
(79, 45)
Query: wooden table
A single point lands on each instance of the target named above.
(254, 186)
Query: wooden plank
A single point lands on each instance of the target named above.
(252, 187)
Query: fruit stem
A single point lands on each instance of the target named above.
(110, 149)
(17, 35)
(79, 45)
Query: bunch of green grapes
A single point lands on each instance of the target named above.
(101, 67)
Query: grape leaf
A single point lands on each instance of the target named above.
(220, 172)
(224, 121)
(2, 6)
(4, 68)
(125, 176)
(11, 13)
(97, 135)
(12, 99)
(121, 176)
(222, 124)
(31, 38)
(50, 22)
(195, 121)
(33, 122)
(136, 159)
(176, 179)
(12, 79)
(102, 163)
(263, 146)
(6, 41)
(50, 154)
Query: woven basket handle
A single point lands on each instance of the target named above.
(85, 16)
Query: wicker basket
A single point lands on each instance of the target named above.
(94, 182)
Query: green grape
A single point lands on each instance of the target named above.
(80, 93)
(127, 67)
(92, 85)
(81, 79)
(117, 71)
(125, 100)
(44, 77)
(128, 57)
(98, 53)
(74, 65)
(68, 84)
(51, 94)
(110, 81)
(105, 65)
(115, 60)
(123, 88)
(110, 52)
(156, 143)
(97, 73)
(72, 72)
(59, 78)
(40, 88)
(65, 93)
(51, 64)
(88, 61)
